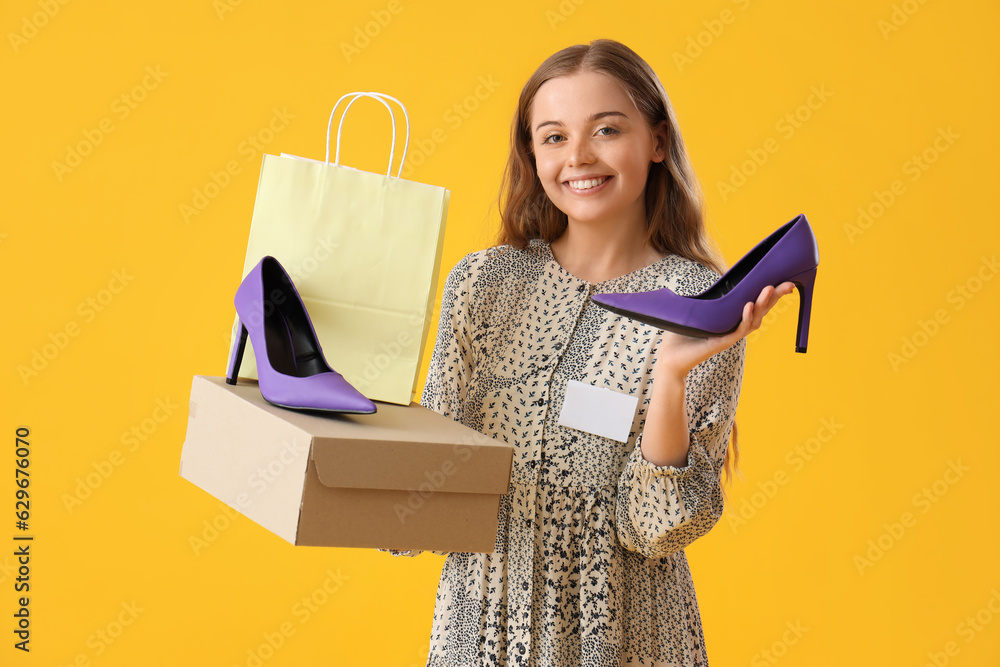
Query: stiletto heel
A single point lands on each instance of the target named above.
(804, 282)
(790, 253)
(236, 355)
(291, 369)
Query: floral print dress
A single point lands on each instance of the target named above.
(589, 565)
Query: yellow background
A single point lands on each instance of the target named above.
(885, 79)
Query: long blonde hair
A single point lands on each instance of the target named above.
(673, 198)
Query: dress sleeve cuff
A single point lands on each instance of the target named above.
(662, 509)
(407, 552)
(413, 552)
(696, 454)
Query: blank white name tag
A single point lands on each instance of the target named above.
(598, 410)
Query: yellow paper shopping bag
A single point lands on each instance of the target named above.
(363, 250)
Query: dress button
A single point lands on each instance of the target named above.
(581, 288)
(558, 346)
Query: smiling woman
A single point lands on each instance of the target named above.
(594, 161)
(589, 562)
(672, 194)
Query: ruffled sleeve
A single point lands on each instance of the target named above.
(662, 509)
(451, 361)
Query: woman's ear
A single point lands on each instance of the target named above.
(661, 142)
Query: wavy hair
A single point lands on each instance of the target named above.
(673, 196)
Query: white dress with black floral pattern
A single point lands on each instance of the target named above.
(589, 565)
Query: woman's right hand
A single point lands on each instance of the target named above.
(682, 353)
(396, 552)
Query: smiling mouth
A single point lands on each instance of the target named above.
(587, 183)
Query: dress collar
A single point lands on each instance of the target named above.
(657, 268)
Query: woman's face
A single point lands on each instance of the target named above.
(593, 149)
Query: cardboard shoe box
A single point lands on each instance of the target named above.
(402, 478)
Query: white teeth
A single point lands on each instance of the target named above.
(587, 184)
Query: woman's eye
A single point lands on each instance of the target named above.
(607, 131)
(553, 139)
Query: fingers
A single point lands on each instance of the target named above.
(754, 312)
(752, 317)
(747, 324)
(769, 297)
(755, 315)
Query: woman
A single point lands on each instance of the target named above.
(589, 566)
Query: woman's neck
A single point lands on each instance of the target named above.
(596, 254)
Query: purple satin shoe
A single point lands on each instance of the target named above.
(789, 254)
(291, 369)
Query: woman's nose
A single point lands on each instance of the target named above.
(581, 152)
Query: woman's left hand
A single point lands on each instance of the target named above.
(678, 354)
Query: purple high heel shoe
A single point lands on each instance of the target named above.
(291, 369)
(790, 254)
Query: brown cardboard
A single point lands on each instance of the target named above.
(402, 478)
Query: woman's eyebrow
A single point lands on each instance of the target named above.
(594, 117)
(604, 114)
